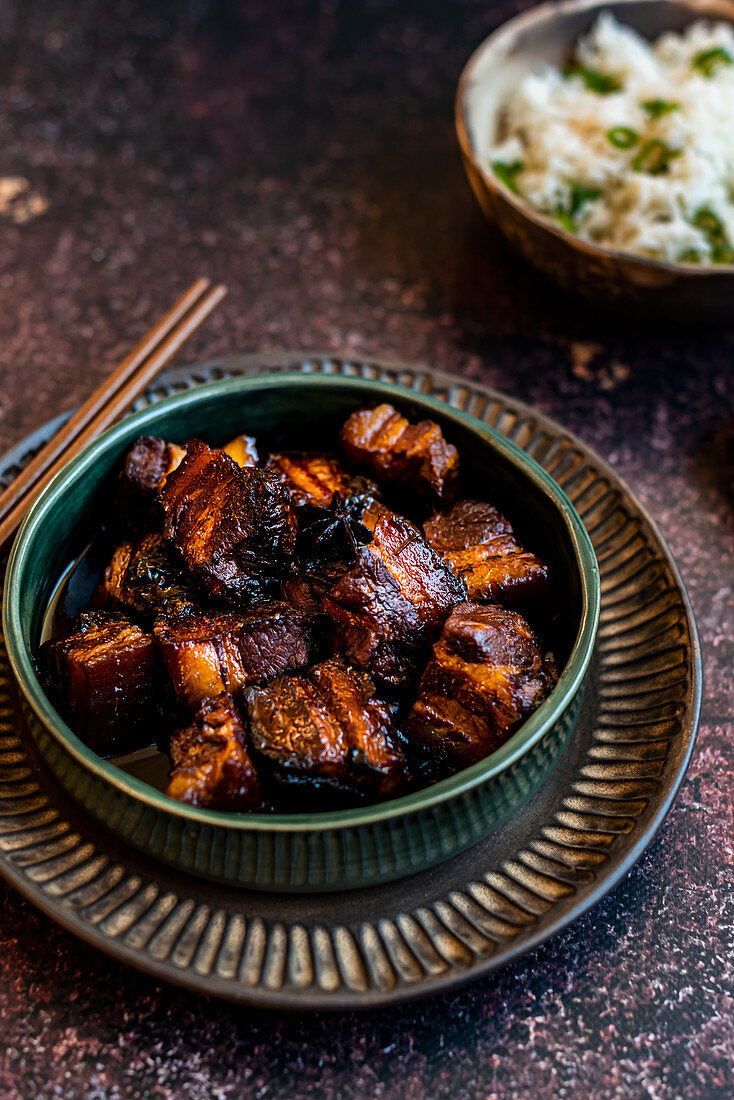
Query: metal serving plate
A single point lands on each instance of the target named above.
(557, 856)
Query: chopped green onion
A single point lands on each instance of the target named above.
(579, 193)
(654, 157)
(507, 172)
(708, 61)
(623, 137)
(594, 79)
(566, 221)
(709, 223)
(722, 254)
(690, 256)
(656, 108)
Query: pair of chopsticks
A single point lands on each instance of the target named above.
(108, 401)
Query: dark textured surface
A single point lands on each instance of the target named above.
(306, 156)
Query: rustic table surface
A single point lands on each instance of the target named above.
(304, 153)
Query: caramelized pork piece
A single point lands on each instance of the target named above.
(387, 607)
(305, 590)
(487, 674)
(208, 653)
(467, 524)
(105, 674)
(479, 545)
(147, 465)
(234, 528)
(242, 450)
(211, 764)
(144, 577)
(314, 478)
(326, 728)
(416, 456)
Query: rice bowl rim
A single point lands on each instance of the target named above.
(514, 28)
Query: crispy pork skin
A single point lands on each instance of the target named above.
(416, 456)
(211, 764)
(105, 674)
(242, 450)
(487, 674)
(389, 604)
(147, 465)
(479, 545)
(329, 728)
(208, 653)
(144, 577)
(235, 528)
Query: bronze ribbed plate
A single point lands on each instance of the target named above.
(567, 846)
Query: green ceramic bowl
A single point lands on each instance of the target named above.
(304, 852)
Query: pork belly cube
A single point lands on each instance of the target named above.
(416, 456)
(387, 607)
(314, 478)
(147, 465)
(234, 528)
(479, 545)
(326, 728)
(466, 524)
(487, 674)
(209, 653)
(105, 675)
(306, 589)
(144, 577)
(211, 764)
(242, 450)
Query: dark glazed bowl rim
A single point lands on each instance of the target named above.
(537, 16)
(531, 731)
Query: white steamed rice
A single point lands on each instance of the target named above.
(557, 129)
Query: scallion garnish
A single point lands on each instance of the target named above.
(722, 254)
(656, 108)
(507, 172)
(713, 227)
(594, 79)
(708, 61)
(705, 220)
(654, 157)
(566, 220)
(623, 137)
(578, 194)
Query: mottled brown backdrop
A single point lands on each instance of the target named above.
(305, 154)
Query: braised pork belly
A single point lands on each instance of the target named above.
(315, 478)
(223, 651)
(105, 675)
(415, 456)
(146, 466)
(303, 628)
(211, 764)
(480, 547)
(242, 450)
(487, 674)
(387, 606)
(326, 728)
(235, 528)
(144, 577)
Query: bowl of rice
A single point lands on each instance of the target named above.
(600, 139)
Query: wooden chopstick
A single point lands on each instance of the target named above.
(108, 401)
